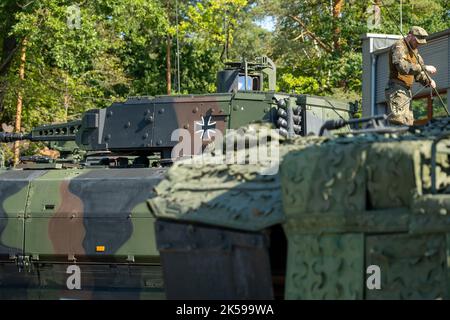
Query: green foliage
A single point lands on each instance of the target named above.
(328, 48)
(433, 15)
(298, 84)
(120, 48)
(211, 32)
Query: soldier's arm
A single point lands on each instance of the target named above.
(399, 54)
(422, 77)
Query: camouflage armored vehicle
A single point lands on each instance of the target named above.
(80, 227)
(364, 215)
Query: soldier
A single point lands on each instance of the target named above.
(404, 70)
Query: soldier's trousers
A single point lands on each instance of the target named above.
(398, 99)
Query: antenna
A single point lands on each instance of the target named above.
(227, 34)
(178, 53)
(226, 30)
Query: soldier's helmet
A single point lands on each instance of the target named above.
(420, 34)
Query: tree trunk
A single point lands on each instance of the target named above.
(66, 99)
(338, 5)
(169, 65)
(18, 126)
(317, 40)
(66, 105)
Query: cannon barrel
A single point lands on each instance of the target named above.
(12, 137)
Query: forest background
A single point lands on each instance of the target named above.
(60, 58)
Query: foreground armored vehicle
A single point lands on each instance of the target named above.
(361, 216)
(80, 227)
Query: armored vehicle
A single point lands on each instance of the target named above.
(80, 227)
(363, 215)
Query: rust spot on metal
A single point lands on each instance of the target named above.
(256, 212)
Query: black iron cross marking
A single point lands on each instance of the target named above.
(205, 127)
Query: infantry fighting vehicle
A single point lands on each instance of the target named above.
(80, 227)
(364, 215)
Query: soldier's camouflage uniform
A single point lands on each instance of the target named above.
(404, 70)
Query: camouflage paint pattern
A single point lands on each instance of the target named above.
(345, 204)
(99, 219)
(367, 200)
(59, 218)
(146, 124)
(227, 195)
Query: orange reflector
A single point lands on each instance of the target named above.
(100, 248)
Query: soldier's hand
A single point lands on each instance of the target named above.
(431, 69)
(433, 84)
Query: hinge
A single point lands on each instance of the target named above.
(23, 263)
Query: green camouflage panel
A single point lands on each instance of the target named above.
(347, 204)
(149, 124)
(248, 107)
(208, 190)
(369, 200)
(143, 123)
(96, 219)
(217, 191)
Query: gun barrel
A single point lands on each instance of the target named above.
(12, 137)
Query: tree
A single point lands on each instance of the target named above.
(18, 124)
(69, 70)
(108, 56)
(208, 30)
(319, 41)
(126, 47)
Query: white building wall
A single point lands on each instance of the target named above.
(372, 42)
